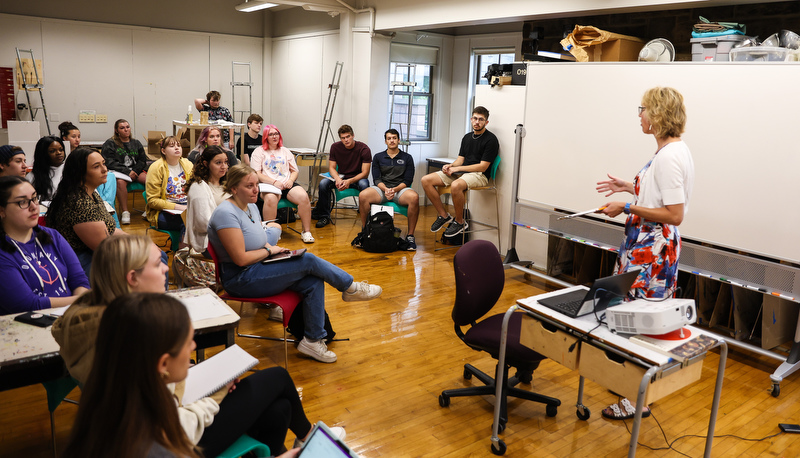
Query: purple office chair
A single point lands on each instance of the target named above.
(480, 278)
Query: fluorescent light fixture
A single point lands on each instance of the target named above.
(254, 5)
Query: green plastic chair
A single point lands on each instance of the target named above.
(402, 209)
(136, 187)
(286, 203)
(341, 195)
(57, 391)
(243, 445)
(174, 236)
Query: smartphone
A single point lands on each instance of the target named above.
(789, 428)
(36, 319)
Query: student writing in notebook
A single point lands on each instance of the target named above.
(264, 405)
(661, 192)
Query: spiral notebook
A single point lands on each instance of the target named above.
(212, 374)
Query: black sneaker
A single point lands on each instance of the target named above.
(324, 221)
(357, 241)
(412, 243)
(455, 228)
(440, 222)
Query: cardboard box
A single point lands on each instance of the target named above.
(622, 48)
(153, 139)
(557, 345)
(779, 321)
(624, 377)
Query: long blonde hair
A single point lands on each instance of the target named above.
(112, 260)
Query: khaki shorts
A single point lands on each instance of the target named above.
(473, 179)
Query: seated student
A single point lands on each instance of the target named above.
(125, 155)
(12, 161)
(48, 165)
(216, 113)
(393, 174)
(108, 190)
(38, 267)
(348, 165)
(211, 136)
(241, 244)
(252, 139)
(77, 211)
(275, 165)
(478, 150)
(165, 186)
(263, 405)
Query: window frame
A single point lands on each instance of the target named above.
(428, 96)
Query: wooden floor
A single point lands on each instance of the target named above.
(402, 353)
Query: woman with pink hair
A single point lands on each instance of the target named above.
(276, 166)
(211, 136)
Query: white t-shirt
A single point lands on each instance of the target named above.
(669, 179)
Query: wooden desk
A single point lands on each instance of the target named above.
(29, 354)
(606, 358)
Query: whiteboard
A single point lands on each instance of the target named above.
(742, 129)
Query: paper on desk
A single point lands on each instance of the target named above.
(59, 311)
(204, 307)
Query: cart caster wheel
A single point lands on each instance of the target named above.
(467, 374)
(551, 410)
(499, 449)
(444, 401)
(776, 390)
(585, 415)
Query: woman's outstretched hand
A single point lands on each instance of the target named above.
(613, 185)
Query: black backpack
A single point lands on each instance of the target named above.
(378, 234)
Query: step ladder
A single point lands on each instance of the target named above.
(325, 129)
(31, 86)
(402, 86)
(241, 84)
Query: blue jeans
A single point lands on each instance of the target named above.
(307, 275)
(171, 222)
(326, 187)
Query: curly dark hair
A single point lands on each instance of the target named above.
(201, 171)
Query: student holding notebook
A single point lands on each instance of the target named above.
(264, 405)
(661, 193)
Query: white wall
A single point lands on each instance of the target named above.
(147, 76)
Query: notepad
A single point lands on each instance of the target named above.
(206, 378)
(284, 255)
(268, 188)
(122, 176)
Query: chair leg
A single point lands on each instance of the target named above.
(53, 431)
(285, 351)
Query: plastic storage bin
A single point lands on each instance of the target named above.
(714, 49)
(762, 54)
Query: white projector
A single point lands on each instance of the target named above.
(648, 317)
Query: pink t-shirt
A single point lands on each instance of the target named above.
(276, 164)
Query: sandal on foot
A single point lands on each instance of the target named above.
(614, 412)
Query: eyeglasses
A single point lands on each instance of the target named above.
(274, 134)
(641, 109)
(25, 203)
(477, 119)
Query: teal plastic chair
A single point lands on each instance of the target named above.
(286, 203)
(136, 187)
(244, 445)
(402, 209)
(491, 186)
(57, 391)
(174, 236)
(341, 195)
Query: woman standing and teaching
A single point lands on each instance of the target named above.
(661, 192)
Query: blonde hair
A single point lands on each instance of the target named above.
(235, 175)
(169, 141)
(111, 262)
(665, 111)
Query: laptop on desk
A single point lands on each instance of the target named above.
(607, 290)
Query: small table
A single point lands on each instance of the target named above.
(315, 161)
(195, 126)
(29, 354)
(608, 359)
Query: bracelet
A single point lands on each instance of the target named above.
(269, 252)
(627, 208)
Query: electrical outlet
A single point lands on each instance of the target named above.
(101, 118)
(86, 117)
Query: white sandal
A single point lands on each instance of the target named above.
(307, 237)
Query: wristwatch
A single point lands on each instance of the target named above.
(627, 208)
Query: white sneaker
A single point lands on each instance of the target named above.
(126, 218)
(276, 314)
(317, 350)
(364, 292)
(307, 237)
